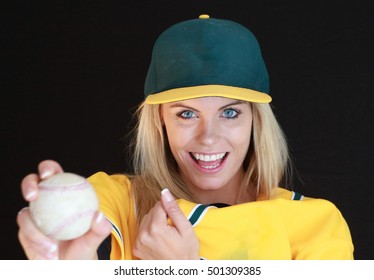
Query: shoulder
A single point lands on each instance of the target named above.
(316, 227)
(102, 177)
(300, 212)
(292, 200)
(110, 183)
(113, 191)
(286, 194)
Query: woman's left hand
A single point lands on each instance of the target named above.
(159, 240)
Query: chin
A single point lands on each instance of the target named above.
(210, 185)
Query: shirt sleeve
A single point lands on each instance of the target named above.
(116, 202)
(317, 230)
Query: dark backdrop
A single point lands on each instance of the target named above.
(72, 74)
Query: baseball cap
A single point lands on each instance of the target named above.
(206, 57)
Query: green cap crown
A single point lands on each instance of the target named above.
(206, 51)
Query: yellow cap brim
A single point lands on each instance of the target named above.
(184, 93)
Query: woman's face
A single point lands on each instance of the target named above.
(209, 138)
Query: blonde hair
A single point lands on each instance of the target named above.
(268, 153)
(155, 168)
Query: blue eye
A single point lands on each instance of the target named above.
(230, 113)
(187, 114)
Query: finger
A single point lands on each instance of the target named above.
(151, 226)
(29, 187)
(156, 216)
(26, 225)
(174, 212)
(29, 184)
(152, 223)
(100, 228)
(159, 215)
(35, 251)
(91, 241)
(35, 243)
(48, 168)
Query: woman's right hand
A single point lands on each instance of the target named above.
(37, 245)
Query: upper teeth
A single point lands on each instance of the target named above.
(208, 157)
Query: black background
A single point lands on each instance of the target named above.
(73, 72)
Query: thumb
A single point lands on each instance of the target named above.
(100, 229)
(174, 212)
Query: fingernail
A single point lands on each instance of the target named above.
(52, 248)
(52, 257)
(99, 218)
(167, 195)
(46, 173)
(22, 210)
(30, 195)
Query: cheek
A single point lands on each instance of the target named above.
(241, 138)
(177, 137)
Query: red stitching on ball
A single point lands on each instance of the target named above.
(64, 188)
(68, 221)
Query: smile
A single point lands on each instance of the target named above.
(203, 157)
(208, 161)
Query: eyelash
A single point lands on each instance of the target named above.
(180, 114)
(237, 113)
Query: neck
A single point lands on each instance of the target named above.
(234, 193)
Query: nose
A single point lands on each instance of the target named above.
(208, 132)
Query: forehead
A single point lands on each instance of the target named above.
(210, 101)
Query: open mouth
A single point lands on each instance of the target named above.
(209, 161)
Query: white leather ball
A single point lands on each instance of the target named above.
(65, 206)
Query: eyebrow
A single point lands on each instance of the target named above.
(238, 102)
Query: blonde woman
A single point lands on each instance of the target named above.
(209, 158)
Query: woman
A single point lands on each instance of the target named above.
(207, 136)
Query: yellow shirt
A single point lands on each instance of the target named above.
(285, 227)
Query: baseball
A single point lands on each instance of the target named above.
(65, 206)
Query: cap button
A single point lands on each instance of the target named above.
(204, 16)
